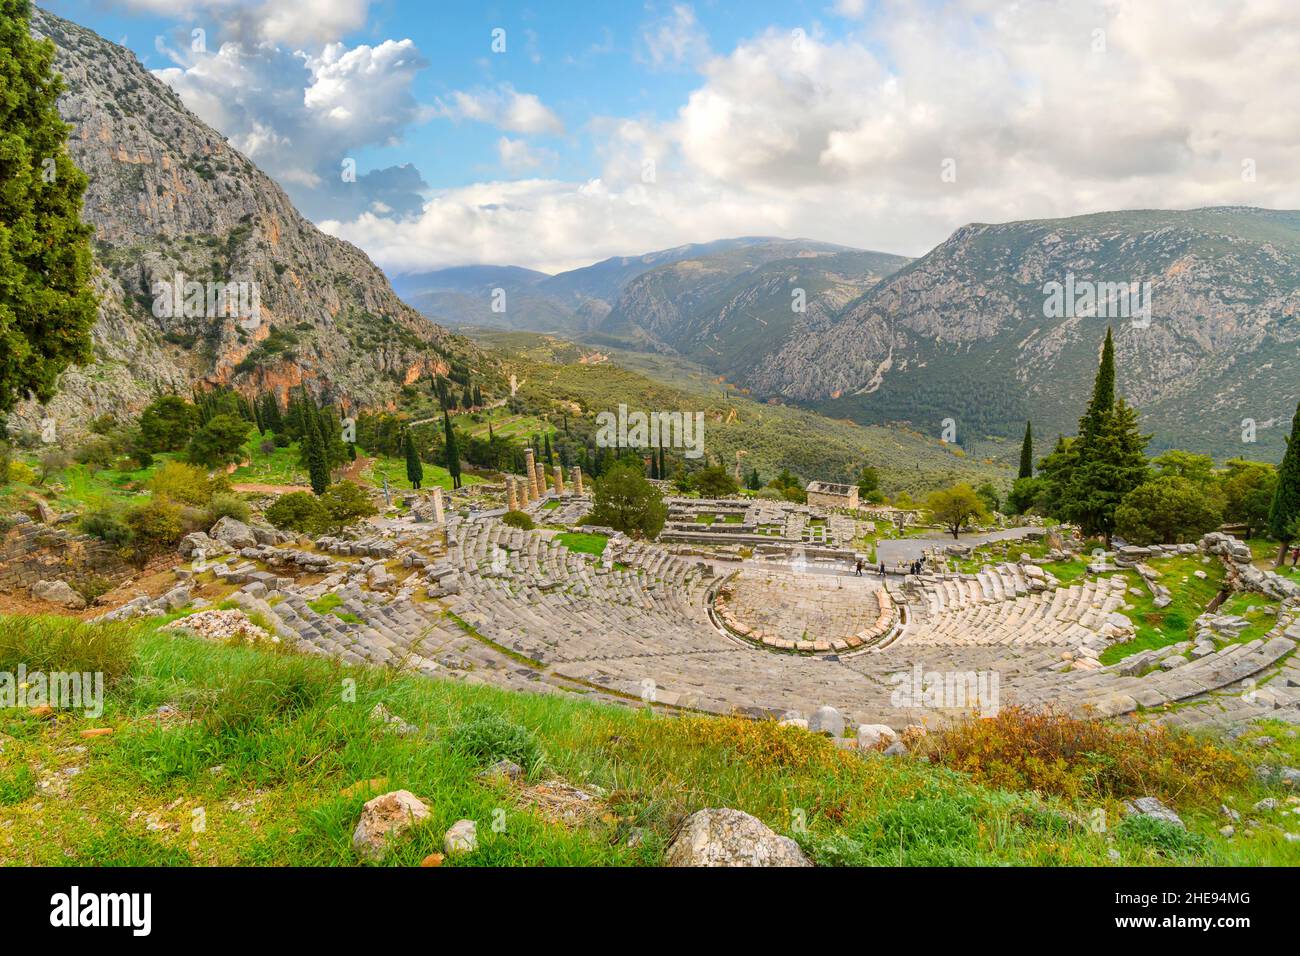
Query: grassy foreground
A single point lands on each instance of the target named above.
(241, 755)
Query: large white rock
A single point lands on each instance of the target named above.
(827, 720)
(461, 838)
(385, 819)
(726, 837)
(871, 735)
(1152, 807)
(58, 592)
(234, 533)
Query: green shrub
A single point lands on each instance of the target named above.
(155, 527)
(345, 503)
(96, 454)
(488, 736)
(517, 519)
(21, 473)
(91, 586)
(182, 483)
(297, 511)
(227, 505)
(1162, 836)
(107, 524)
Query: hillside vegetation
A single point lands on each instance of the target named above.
(557, 374)
(214, 754)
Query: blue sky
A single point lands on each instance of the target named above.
(613, 128)
(582, 59)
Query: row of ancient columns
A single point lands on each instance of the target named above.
(521, 492)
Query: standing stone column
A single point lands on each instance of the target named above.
(439, 516)
(530, 473)
(512, 500)
(559, 480)
(577, 479)
(539, 480)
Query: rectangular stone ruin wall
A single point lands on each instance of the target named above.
(32, 552)
(827, 494)
(823, 499)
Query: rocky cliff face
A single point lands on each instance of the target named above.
(169, 198)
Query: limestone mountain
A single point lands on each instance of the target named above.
(726, 303)
(172, 202)
(967, 332)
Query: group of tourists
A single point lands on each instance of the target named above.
(916, 567)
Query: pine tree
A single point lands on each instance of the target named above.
(1027, 452)
(414, 467)
(1284, 515)
(453, 453)
(550, 458)
(47, 307)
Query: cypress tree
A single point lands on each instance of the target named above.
(47, 307)
(453, 453)
(271, 413)
(1103, 391)
(1284, 515)
(1105, 462)
(1027, 452)
(414, 467)
(1112, 464)
(318, 468)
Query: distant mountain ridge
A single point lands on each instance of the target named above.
(587, 295)
(732, 300)
(964, 333)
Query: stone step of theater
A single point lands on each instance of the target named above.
(635, 624)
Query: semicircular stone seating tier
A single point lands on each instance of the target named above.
(517, 609)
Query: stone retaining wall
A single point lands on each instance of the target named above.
(32, 552)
